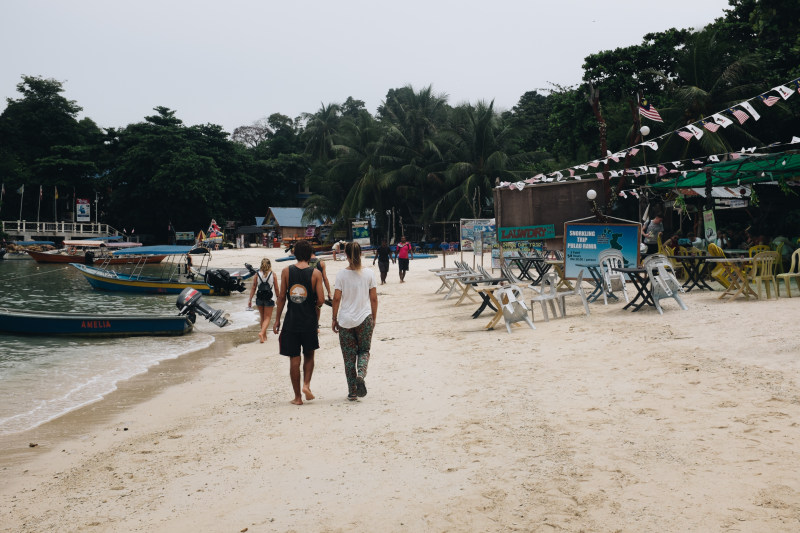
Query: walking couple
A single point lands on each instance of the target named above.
(355, 308)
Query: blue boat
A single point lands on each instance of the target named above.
(90, 325)
(174, 276)
(189, 303)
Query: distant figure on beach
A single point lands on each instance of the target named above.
(265, 286)
(302, 296)
(320, 265)
(336, 249)
(382, 256)
(651, 231)
(402, 252)
(355, 308)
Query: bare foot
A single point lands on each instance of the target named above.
(262, 337)
(308, 394)
(297, 401)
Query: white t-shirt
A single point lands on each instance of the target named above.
(354, 306)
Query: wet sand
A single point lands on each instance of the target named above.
(615, 422)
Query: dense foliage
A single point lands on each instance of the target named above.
(418, 155)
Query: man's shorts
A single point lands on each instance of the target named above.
(403, 264)
(292, 341)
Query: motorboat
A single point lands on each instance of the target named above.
(92, 251)
(185, 266)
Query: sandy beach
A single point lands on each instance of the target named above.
(618, 421)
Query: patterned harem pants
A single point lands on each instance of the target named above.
(355, 343)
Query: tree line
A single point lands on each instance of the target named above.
(419, 155)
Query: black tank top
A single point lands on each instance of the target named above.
(301, 301)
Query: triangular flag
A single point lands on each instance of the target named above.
(652, 170)
(722, 120)
(710, 125)
(795, 140)
(697, 132)
(651, 144)
(622, 193)
(677, 164)
(785, 92)
(633, 151)
(599, 175)
(750, 109)
(685, 134)
(713, 158)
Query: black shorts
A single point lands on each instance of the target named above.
(403, 264)
(383, 266)
(291, 341)
(265, 303)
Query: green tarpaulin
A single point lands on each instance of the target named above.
(745, 170)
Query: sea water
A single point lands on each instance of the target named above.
(43, 377)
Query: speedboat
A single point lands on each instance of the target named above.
(176, 273)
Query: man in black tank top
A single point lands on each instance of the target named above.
(301, 294)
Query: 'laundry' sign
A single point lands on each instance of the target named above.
(528, 233)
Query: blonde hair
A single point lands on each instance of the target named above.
(352, 250)
(266, 265)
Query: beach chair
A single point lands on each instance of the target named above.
(609, 260)
(719, 272)
(792, 274)
(763, 273)
(576, 290)
(546, 293)
(514, 308)
(663, 282)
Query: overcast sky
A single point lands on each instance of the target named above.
(233, 62)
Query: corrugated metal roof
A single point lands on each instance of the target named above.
(291, 217)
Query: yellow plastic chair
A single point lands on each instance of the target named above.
(763, 273)
(779, 264)
(661, 247)
(719, 271)
(794, 273)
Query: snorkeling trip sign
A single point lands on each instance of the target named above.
(527, 233)
(584, 242)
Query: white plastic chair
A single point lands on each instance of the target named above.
(546, 293)
(577, 290)
(514, 309)
(663, 282)
(609, 260)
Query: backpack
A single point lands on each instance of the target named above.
(264, 288)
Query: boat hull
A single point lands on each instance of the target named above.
(49, 257)
(90, 325)
(105, 280)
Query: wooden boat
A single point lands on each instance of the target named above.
(93, 325)
(92, 251)
(174, 276)
(20, 249)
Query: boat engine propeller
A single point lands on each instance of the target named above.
(190, 303)
(223, 283)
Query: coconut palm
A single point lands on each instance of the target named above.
(477, 141)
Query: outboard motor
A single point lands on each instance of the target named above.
(223, 283)
(88, 258)
(190, 303)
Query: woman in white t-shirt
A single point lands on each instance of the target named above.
(355, 308)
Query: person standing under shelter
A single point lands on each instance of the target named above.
(402, 253)
(651, 231)
(382, 256)
(355, 308)
(302, 296)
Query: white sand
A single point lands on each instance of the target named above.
(616, 422)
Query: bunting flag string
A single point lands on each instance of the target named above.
(742, 112)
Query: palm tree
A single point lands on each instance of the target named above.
(710, 78)
(409, 148)
(478, 142)
(320, 130)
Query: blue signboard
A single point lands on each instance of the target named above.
(583, 242)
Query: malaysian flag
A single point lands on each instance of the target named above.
(710, 125)
(740, 115)
(770, 100)
(649, 111)
(685, 134)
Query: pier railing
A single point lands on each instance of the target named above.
(71, 230)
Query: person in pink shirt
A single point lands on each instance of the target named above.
(402, 253)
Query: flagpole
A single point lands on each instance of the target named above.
(55, 204)
(39, 207)
(21, 197)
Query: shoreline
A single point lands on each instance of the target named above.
(616, 421)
